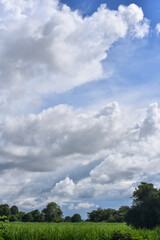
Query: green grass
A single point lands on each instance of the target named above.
(72, 231)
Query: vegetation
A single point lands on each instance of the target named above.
(145, 211)
(75, 231)
(52, 213)
(108, 215)
(76, 218)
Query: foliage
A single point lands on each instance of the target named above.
(4, 227)
(3, 218)
(76, 218)
(119, 235)
(37, 216)
(52, 212)
(27, 217)
(67, 219)
(20, 215)
(13, 218)
(4, 210)
(145, 211)
(74, 231)
(109, 215)
(14, 210)
(33, 216)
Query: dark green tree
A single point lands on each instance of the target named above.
(14, 210)
(20, 215)
(95, 215)
(122, 212)
(76, 218)
(145, 211)
(13, 218)
(108, 215)
(37, 216)
(67, 219)
(5, 210)
(52, 212)
(27, 217)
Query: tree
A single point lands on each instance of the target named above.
(76, 218)
(95, 215)
(122, 212)
(20, 215)
(108, 215)
(5, 210)
(145, 211)
(67, 219)
(14, 210)
(37, 216)
(13, 218)
(27, 217)
(52, 212)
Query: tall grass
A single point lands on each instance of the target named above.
(72, 231)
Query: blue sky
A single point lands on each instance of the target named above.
(150, 8)
(79, 95)
(133, 69)
(142, 56)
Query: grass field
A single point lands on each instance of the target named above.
(73, 231)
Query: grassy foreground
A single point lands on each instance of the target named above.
(74, 231)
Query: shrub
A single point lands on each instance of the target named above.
(119, 235)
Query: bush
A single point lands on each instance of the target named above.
(119, 235)
(13, 218)
(3, 218)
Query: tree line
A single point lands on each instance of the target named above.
(108, 215)
(51, 213)
(144, 212)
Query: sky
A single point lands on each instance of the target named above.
(79, 102)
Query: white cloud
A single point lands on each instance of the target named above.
(158, 28)
(152, 121)
(46, 47)
(64, 188)
(134, 17)
(62, 138)
(58, 136)
(82, 205)
(134, 156)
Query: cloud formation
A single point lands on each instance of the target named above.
(57, 136)
(62, 138)
(82, 205)
(46, 47)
